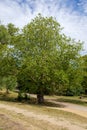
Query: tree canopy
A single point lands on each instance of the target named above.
(41, 57)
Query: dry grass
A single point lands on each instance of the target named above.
(8, 124)
(35, 124)
(30, 123)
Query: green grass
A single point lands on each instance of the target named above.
(74, 100)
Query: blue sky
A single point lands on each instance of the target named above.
(71, 14)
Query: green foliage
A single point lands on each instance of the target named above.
(52, 60)
(12, 30)
(8, 62)
(8, 83)
(43, 60)
(4, 35)
(84, 82)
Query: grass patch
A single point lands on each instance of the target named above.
(7, 124)
(41, 109)
(11, 99)
(74, 100)
(33, 123)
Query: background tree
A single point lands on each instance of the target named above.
(8, 56)
(84, 83)
(4, 35)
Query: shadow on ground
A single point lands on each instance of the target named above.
(30, 100)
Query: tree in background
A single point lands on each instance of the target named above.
(4, 36)
(8, 62)
(84, 83)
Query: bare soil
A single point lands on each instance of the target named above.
(38, 121)
(7, 124)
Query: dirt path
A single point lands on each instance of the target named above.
(69, 107)
(52, 120)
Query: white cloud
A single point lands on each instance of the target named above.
(20, 12)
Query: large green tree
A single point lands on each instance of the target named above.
(48, 56)
(41, 57)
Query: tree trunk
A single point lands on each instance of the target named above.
(7, 91)
(19, 98)
(40, 98)
(40, 92)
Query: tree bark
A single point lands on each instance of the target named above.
(7, 91)
(19, 98)
(40, 98)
